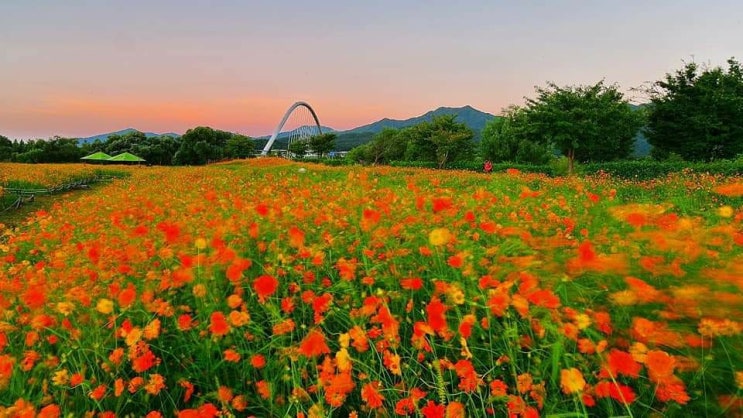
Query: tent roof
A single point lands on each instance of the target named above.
(126, 157)
(98, 156)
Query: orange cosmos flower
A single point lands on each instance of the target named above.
(296, 237)
(98, 393)
(455, 410)
(50, 411)
(571, 381)
(155, 384)
(184, 322)
(144, 362)
(498, 303)
(231, 355)
(224, 394)
(731, 190)
(258, 361)
(498, 388)
(118, 387)
(127, 296)
(620, 363)
(370, 394)
(468, 379)
(263, 389)
(218, 325)
(264, 287)
(313, 344)
(239, 403)
(188, 386)
(660, 366)
(414, 283)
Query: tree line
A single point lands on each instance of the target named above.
(693, 114)
(197, 146)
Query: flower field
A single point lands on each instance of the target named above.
(271, 289)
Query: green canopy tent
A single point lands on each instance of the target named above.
(97, 157)
(126, 157)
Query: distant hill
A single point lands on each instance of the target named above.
(105, 136)
(473, 118)
(287, 134)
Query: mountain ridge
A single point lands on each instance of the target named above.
(103, 137)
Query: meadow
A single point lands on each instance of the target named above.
(269, 288)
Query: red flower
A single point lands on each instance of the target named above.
(436, 312)
(544, 298)
(433, 410)
(414, 283)
(218, 325)
(620, 363)
(314, 345)
(265, 286)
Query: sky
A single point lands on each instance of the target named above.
(78, 68)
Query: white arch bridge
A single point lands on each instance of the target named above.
(308, 125)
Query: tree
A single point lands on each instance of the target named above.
(386, 146)
(585, 123)
(6, 149)
(322, 144)
(697, 113)
(239, 146)
(441, 140)
(298, 148)
(504, 140)
(201, 145)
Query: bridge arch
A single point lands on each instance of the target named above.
(288, 113)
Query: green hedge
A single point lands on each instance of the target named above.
(648, 169)
(630, 169)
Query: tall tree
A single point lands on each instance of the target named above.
(298, 148)
(585, 123)
(201, 145)
(697, 113)
(386, 146)
(441, 140)
(6, 149)
(239, 146)
(322, 144)
(504, 140)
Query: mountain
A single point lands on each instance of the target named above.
(473, 118)
(104, 137)
(287, 134)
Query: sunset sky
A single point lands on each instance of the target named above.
(83, 67)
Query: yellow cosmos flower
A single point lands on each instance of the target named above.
(725, 211)
(439, 237)
(105, 306)
(572, 381)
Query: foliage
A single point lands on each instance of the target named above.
(202, 145)
(504, 140)
(239, 146)
(440, 140)
(6, 149)
(697, 113)
(322, 144)
(585, 123)
(298, 148)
